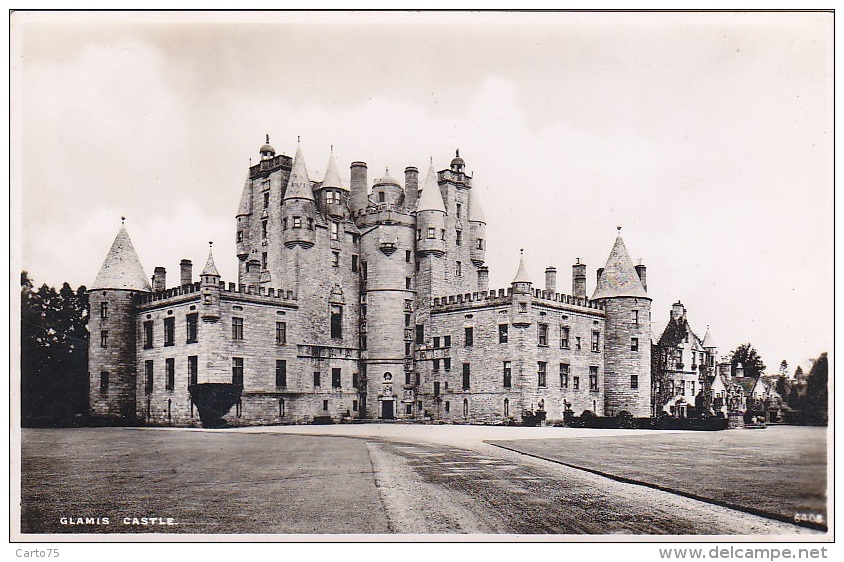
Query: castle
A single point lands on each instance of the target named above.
(366, 302)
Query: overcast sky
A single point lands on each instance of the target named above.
(707, 137)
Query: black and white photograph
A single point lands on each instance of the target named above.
(423, 276)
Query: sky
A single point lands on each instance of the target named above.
(707, 136)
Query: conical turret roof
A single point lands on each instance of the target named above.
(521, 274)
(619, 278)
(332, 176)
(476, 214)
(121, 268)
(430, 199)
(708, 340)
(245, 207)
(210, 268)
(299, 184)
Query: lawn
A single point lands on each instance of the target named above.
(779, 472)
(207, 482)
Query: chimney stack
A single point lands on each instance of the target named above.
(411, 187)
(359, 196)
(186, 269)
(578, 279)
(642, 272)
(551, 280)
(159, 279)
(483, 278)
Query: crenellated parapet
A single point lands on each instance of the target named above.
(174, 295)
(504, 297)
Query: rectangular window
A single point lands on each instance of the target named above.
(240, 236)
(593, 378)
(336, 321)
(692, 385)
(263, 229)
(502, 333)
(266, 199)
(459, 208)
(577, 343)
(103, 310)
(280, 373)
(407, 282)
(432, 233)
(355, 380)
(335, 259)
(420, 333)
(436, 341)
(508, 374)
(447, 341)
(634, 317)
(543, 334)
(442, 234)
(407, 349)
(297, 222)
(354, 405)
(325, 405)
(148, 374)
(682, 385)
(436, 388)
(575, 383)
(596, 341)
(466, 376)
(469, 336)
(335, 378)
(148, 334)
(435, 365)
(634, 381)
(170, 371)
(542, 374)
(564, 337)
(364, 271)
(458, 269)
(459, 237)
(237, 370)
(447, 406)
(284, 223)
(407, 256)
(281, 333)
(263, 260)
(104, 338)
(564, 375)
(316, 378)
(310, 223)
(354, 263)
(634, 344)
(103, 381)
(192, 327)
(169, 331)
(480, 243)
(447, 363)
(237, 328)
(335, 230)
(193, 369)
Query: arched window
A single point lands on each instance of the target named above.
(465, 407)
(506, 406)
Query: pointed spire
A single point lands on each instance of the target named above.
(430, 198)
(332, 176)
(121, 268)
(619, 278)
(476, 213)
(521, 274)
(708, 340)
(245, 207)
(299, 185)
(210, 268)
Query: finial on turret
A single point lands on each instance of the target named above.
(432, 160)
(619, 228)
(332, 149)
(268, 138)
(122, 219)
(298, 138)
(522, 251)
(210, 243)
(457, 153)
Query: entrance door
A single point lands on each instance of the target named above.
(387, 409)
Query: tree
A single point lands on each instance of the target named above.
(54, 353)
(798, 373)
(750, 360)
(783, 368)
(817, 392)
(782, 387)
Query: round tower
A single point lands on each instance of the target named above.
(387, 191)
(112, 367)
(626, 338)
(522, 291)
(210, 288)
(477, 230)
(298, 208)
(430, 218)
(333, 197)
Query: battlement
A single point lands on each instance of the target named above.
(459, 178)
(177, 293)
(504, 296)
(264, 167)
(383, 213)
